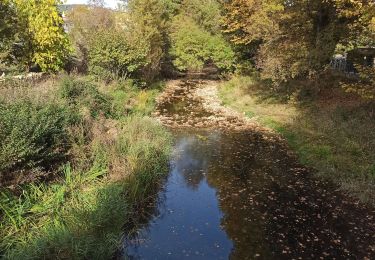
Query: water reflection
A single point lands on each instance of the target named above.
(189, 161)
(189, 225)
(241, 195)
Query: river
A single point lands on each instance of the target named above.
(240, 193)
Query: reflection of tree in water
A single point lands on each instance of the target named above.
(193, 161)
(271, 208)
(242, 162)
(274, 209)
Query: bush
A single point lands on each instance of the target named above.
(112, 55)
(31, 135)
(193, 47)
(207, 14)
(129, 98)
(83, 94)
(364, 84)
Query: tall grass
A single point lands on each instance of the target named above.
(115, 164)
(128, 98)
(82, 215)
(332, 133)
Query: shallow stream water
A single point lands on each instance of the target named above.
(242, 195)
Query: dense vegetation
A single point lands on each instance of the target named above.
(193, 48)
(78, 139)
(34, 34)
(83, 155)
(79, 154)
(297, 39)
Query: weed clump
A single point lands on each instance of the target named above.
(32, 135)
(83, 94)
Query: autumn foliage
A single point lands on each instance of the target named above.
(295, 39)
(40, 37)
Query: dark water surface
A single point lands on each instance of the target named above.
(238, 196)
(242, 195)
(192, 220)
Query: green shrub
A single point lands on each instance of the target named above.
(127, 98)
(207, 14)
(31, 135)
(112, 55)
(122, 96)
(83, 94)
(193, 47)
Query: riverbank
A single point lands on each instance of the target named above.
(91, 157)
(323, 130)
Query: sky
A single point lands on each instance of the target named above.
(109, 3)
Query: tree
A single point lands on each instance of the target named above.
(362, 35)
(171, 7)
(293, 38)
(8, 31)
(45, 41)
(15, 40)
(148, 18)
(116, 53)
(193, 47)
(119, 44)
(251, 21)
(84, 24)
(8, 19)
(207, 14)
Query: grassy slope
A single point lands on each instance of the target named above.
(334, 134)
(115, 164)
